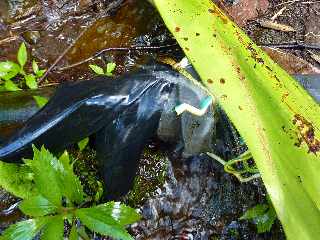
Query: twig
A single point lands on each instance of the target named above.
(61, 56)
(292, 46)
(275, 16)
(8, 39)
(119, 49)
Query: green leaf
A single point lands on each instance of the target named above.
(41, 101)
(83, 143)
(40, 73)
(22, 55)
(73, 233)
(101, 223)
(98, 70)
(17, 179)
(31, 81)
(11, 86)
(25, 230)
(37, 206)
(45, 167)
(123, 214)
(110, 67)
(254, 212)
(9, 66)
(35, 67)
(265, 221)
(54, 229)
(271, 111)
(71, 185)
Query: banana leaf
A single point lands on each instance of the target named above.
(276, 117)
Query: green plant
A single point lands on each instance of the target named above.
(10, 70)
(99, 70)
(276, 117)
(262, 215)
(54, 195)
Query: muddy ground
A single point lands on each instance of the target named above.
(185, 198)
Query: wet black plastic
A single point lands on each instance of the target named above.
(123, 113)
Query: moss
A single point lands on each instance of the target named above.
(151, 175)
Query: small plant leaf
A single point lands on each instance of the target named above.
(9, 66)
(254, 212)
(83, 143)
(17, 179)
(71, 185)
(25, 230)
(98, 70)
(35, 67)
(73, 233)
(41, 101)
(45, 167)
(11, 86)
(22, 55)
(31, 81)
(37, 206)
(101, 223)
(54, 229)
(40, 73)
(110, 67)
(265, 221)
(123, 214)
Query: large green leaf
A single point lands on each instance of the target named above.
(25, 230)
(53, 230)
(279, 121)
(71, 184)
(54, 177)
(123, 214)
(97, 221)
(37, 206)
(45, 167)
(17, 179)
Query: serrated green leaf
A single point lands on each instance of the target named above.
(31, 81)
(71, 185)
(35, 66)
(22, 55)
(37, 206)
(45, 167)
(25, 230)
(110, 67)
(54, 229)
(98, 70)
(73, 233)
(41, 101)
(256, 211)
(123, 214)
(11, 86)
(17, 179)
(101, 223)
(83, 143)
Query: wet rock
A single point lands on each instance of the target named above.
(243, 11)
(199, 201)
(312, 35)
